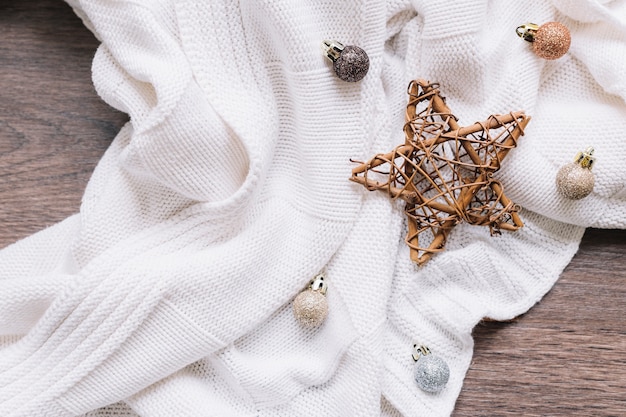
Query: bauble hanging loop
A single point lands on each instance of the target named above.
(550, 40)
(350, 63)
(576, 180)
(431, 371)
(310, 307)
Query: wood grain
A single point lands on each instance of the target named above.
(566, 357)
(53, 126)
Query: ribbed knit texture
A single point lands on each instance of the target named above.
(169, 293)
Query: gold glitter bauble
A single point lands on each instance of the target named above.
(574, 181)
(552, 40)
(310, 308)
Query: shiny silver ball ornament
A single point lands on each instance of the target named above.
(310, 307)
(350, 63)
(576, 180)
(431, 371)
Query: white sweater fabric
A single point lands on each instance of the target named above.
(170, 293)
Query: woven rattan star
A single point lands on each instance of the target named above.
(444, 172)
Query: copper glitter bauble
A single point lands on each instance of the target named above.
(350, 63)
(576, 180)
(310, 308)
(550, 40)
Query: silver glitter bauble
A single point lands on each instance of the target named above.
(350, 63)
(431, 373)
(574, 182)
(310, 308)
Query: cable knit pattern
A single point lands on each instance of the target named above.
(169, 293)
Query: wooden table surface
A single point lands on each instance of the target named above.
(566, 357)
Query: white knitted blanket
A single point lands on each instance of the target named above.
(169, 294)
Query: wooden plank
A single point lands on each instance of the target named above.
(53, 126)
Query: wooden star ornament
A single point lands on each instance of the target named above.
(444, 172)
